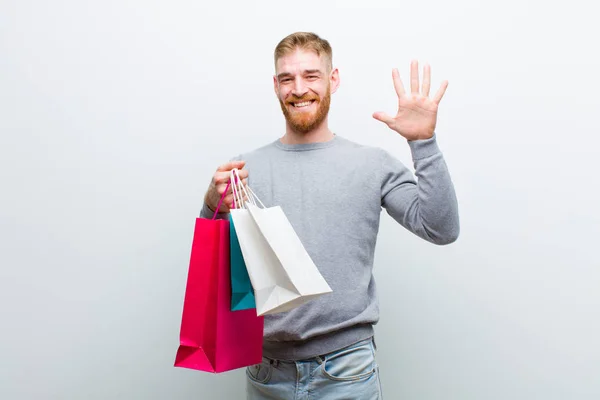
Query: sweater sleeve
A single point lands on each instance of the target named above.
(426, 206)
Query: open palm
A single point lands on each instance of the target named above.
(417, 113)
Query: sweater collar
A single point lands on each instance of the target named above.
(307, 146)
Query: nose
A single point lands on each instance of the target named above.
(299, 88)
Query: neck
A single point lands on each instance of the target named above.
(318, 135)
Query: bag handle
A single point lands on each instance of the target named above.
(221, 201)
(236, 200)
(240, 190)
(237, 196)
(255, 197)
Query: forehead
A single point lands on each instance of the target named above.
(298, 61)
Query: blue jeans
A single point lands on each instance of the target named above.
(349, 373)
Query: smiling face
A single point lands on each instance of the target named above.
(304, 84)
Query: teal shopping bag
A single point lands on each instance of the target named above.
(242, 295)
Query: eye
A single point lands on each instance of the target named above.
(312, 77)
(284, 80)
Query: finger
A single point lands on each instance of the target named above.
(414, 77)
(398, 82)
(440, 93)
(220, 178)
(383, 117)
(243, 174)
(224, 177)
(221, 188)
(228, 201)
(231, 165)
(426, 80)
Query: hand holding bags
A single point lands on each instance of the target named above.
(213, 338)
(281, 271)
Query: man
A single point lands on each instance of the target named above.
(332, 191)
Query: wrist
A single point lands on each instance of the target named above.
(421, 136)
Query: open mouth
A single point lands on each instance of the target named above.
(302, 104)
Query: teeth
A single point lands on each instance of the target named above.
(303, 104)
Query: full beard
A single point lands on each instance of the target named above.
(304, 121)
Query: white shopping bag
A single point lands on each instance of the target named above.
(282, 273)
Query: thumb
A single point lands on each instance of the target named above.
(383, 117)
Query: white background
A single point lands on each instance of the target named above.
(114, 115)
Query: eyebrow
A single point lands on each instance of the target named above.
(306, 71)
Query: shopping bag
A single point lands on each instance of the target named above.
(212, 337)
(242, 295)
(281, 271)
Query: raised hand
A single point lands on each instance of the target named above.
(417, 113)
(218, 185)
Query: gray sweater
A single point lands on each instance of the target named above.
(333, 194)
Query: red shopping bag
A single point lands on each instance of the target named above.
(213, 338)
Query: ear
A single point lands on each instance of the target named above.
(334, 80)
